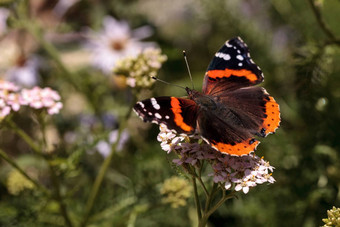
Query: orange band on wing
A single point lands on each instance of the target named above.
(238, 149)
(176, 109)
(229, 72)
(272, 121)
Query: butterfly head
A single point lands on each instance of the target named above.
(191, 93)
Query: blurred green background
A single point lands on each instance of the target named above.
(295, 43)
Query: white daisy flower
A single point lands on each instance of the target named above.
(115, 41)
(24, 72)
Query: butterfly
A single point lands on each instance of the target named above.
(229, 112)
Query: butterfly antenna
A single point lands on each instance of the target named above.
(186, 62)
(155, 78)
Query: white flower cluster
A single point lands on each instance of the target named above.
(38, 98)
(139, 70)
(11, 98)
(239, 173)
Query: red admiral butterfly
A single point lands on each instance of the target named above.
(229, 111)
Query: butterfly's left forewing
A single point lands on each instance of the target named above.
(178, 114)
(231, 68)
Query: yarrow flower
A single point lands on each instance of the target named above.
(333, 217)
(38, 98)
(139, 70)
(17, 183)
(175, 191)
(11, 98)
(116, 40)
(238, 173)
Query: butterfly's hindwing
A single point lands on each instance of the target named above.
(240, 115)
(258, 112)
(224, 135)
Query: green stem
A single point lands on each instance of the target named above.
(58, 197)
(24, 136)
(210, 197)
(4, 156)
(97, 183)
(197, 201)
(103, 169)
(206, 215)
(54, 177)
(323, 24)
(203, 186)
(41, 119)
(199, 177)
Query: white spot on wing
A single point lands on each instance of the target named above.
(141, 104)
(167, 117)
(240, 64)
(150, 113)
(155, 104)
(223, 55)
(158, 116)
(239, 57)
(228, 45)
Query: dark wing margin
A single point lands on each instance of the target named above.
(231, 68)
(178, 114)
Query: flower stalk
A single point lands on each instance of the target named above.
(197, 201)
(103, 169)
(35, 147)
(58, 197)
(54, 178)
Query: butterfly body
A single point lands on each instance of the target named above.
(229, 112)
(205, 102)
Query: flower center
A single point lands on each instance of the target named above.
(21, 61)
(118, 45)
